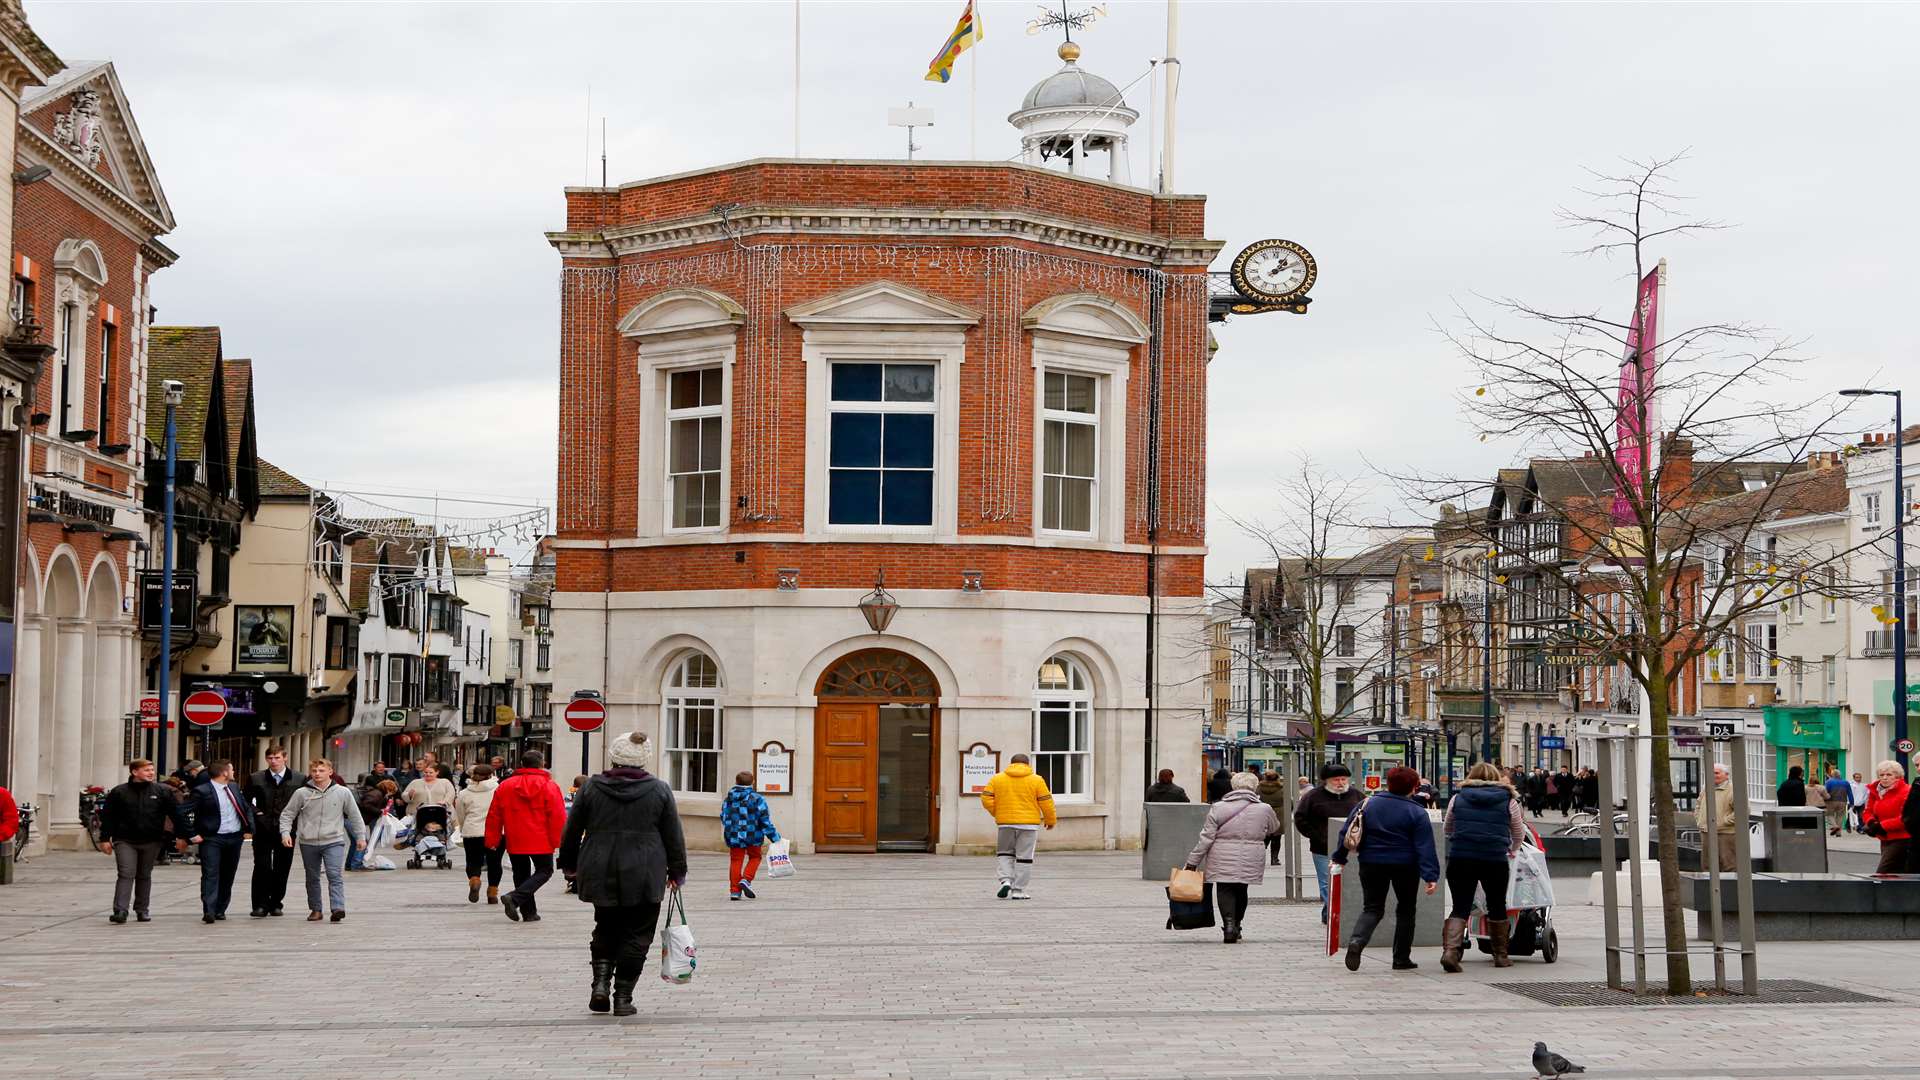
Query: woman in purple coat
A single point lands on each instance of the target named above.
(1233, 849)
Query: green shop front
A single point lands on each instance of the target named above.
(1805, 735)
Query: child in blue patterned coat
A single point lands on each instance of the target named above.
(747, 823)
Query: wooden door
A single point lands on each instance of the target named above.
(846, 781)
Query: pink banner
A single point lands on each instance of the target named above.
(1634, 425)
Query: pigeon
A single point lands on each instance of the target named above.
(1549, 1064)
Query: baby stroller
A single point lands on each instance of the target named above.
(429, 842)
(1529, 907)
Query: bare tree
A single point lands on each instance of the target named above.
(1308, 611)
(1622, 545)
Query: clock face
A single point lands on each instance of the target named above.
(1274, 270)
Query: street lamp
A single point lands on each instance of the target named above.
(175, 392)
(1900, 512)
(879, 606)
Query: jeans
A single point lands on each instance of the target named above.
(272, 862)
(219, 863)
(480, 856)
(622, 935)
(742, 862)
(356, 857)
(134, 865)
(1014, 849)
(529, 873)
(1323, 869)
(1489, 874)
(1375, 879)
(1231, 898)
(333, 859)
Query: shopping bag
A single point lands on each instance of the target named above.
(779, 861)
(1190, 914)
(1528, 884)
(676, 943)
(1185, 885)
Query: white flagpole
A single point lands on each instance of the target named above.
(1173, 91)
(973, 93)
(796, 78)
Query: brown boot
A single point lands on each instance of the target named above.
(493, 894)
(1497, 930)
(1453, 941)
(473, 890)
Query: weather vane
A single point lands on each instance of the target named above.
(1067, 21)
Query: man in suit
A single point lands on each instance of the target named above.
(267, 794)
(221, 820)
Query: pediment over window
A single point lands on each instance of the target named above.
(882, 304)
(1086, 315)
(81, 257)
(678, 311)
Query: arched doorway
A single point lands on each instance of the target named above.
(875, 784)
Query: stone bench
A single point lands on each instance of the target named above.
(1815, 907)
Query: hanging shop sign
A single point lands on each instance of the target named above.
(262, 638)
(978, 765)
(186, 587)
(773, 770)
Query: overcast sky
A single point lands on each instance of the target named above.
(362, 189)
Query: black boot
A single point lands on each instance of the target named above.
(623, 993)
(1362, 933)
(1230, 930)
(602, 983)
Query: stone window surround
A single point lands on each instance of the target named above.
(679, 330)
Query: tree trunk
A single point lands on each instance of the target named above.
(1673, 916)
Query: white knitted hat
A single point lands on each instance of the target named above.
(634, 751)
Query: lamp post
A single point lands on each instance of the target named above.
(175, 392)
(1900, 511)
(1486, 663)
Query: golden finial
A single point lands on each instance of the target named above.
(1069, 51)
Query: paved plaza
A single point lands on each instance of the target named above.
(860, 966)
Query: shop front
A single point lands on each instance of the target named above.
(1809, 736)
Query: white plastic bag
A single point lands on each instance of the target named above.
(779, 859)
(1528, 884)
(677, 959)
(380, 862)
(382, 834)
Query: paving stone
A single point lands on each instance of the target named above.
(859, 966)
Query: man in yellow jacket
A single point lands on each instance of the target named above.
(1021, 805)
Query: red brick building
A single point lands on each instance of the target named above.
(88, 216)
(782, 379)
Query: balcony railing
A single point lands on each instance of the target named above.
(1880, 643)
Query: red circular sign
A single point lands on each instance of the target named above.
(585, 714)
(204, 707)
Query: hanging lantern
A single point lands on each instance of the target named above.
(879, 607)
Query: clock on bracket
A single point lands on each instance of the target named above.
(1274, 272)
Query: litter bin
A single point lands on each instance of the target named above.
(1796, 839)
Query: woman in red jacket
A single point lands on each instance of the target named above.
(527, 815)
(1886, 801)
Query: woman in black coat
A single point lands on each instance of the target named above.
(622, 846)
(1219, 785)
(1793, 790)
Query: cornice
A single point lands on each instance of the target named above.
(72, 169)
(904, 225)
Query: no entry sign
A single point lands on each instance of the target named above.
(585, 714)
(204, 707)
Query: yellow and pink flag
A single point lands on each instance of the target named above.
(966, 33)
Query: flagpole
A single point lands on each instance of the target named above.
(796, 78)
(973, 93)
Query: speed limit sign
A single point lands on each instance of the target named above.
(1903, 746)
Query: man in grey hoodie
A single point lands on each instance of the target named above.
(325, 818)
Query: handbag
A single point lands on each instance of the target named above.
(1186, 886)
(779, 860)
(1351, 841)
(1194, 914)
(677, 959)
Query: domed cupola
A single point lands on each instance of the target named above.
(1071, 114)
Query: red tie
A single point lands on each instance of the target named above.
(237, 812)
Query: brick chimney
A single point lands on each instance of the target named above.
(1676, 470)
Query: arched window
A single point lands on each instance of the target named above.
(691, 713)
(1063, 728)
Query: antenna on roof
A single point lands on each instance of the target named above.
(910, 118)
(603, 151)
